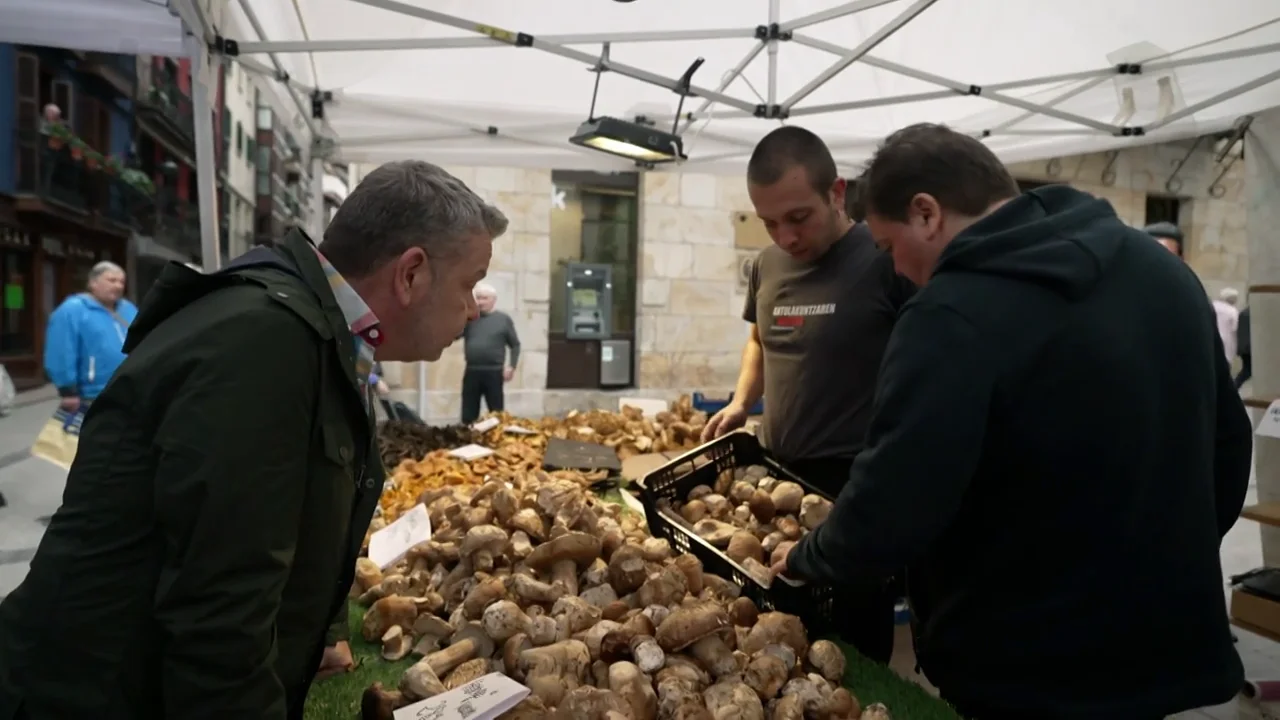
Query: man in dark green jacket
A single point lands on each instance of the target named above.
(200, 562)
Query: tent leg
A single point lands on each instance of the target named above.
(202, 66)
(319, 218)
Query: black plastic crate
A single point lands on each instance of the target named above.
(813, 604)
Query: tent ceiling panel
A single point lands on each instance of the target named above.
(117, 26)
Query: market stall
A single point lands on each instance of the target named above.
(554, 578)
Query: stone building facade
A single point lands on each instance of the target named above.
(689, 309)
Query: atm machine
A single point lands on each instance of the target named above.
(589, 312)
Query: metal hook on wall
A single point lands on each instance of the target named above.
(1217, 189)
(1053, 168)
(1173, 184)
(1108, 172)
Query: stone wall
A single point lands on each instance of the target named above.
(1216, 246)
(689, 325)
(520, 272)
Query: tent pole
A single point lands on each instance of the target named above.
(725, 82)
(821, 16)
(304, 111)
(1003, 127)
(1190, 110)
(458, 43)
(256, 67)
(858, 52)
(203, 65)
(775, 13)
(525, 40)
(959, 87)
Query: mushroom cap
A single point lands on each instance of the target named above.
(483, 537)
(428, 624)
(579, 547)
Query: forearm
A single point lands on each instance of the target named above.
(750, 387)
(513, 355)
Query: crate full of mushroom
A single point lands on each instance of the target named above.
(739, 512)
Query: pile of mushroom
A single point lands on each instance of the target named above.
(629, 432)
(539, 580)
(399, 440)
(754, 518)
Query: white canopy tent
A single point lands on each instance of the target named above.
(506, 82)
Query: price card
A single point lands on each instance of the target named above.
(486, 425)
(1270, 424)
(481, 699)
(471, 452)
(388, 545)
(517, 430)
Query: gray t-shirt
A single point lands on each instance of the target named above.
(824, 327)
(486, 340)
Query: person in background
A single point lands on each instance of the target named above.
(487, 340)
(199, 565)
(1228, 320)
(821, 302)
(1168, 235)
(1244, 347)
(1059, 506)
(85, 336)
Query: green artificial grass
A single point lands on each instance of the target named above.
(338, 697)
(874, 683)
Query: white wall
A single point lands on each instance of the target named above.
(238, 96)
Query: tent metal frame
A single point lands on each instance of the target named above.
(207, 48)
(768, 37)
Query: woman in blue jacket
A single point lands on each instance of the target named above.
(83, 342)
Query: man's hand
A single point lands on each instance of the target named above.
(70, 404)
(780, 567)
(382, 388)
(732, 417)
(336, 660)
(508, 373)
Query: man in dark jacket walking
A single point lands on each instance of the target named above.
(200, 562)
(1058, 505)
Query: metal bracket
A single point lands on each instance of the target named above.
(772, 31)
(1173, 184)
(1108, 172)
(318, 99)
(1129, 69)
(225, 46)
(771, 112)
(1131, 131)
(1216, 188)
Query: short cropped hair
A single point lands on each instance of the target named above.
(484, 289)
(956, 169)
(102, 268)
(787, 147)
(855, 205)
(405, 204)
(1165, 231)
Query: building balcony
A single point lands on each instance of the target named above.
(174, 224)
(121, 71)
(165, 109)
(56, 174)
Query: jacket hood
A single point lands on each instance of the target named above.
(1054, 236)
(179, 286)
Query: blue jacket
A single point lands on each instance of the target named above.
(83, 344)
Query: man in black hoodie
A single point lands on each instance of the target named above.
(1058, 503)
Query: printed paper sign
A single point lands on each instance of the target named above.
(606, 354)
(388, 545)
(1270, 424)
(482, 699)
(471, 452)
(485, 425)
(517, 430)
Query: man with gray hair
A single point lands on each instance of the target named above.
(84, 339)
(487, 339)
(227, 475)
(1228, 319)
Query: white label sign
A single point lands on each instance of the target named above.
(471, 452)
(388, 545)
(517, 430)
(482, 699)
(1270, 424)
(486, 425)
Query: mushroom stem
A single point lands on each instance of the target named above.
(442, 661)
(564, 574)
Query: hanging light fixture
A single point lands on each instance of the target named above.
(632, 140)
